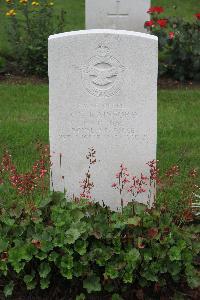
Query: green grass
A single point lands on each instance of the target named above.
(24, 121)
(179, 128)
(76, 14)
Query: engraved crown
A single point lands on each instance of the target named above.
(102, 50)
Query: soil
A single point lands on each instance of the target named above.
(61, 290)
(168, 83)
(19, 79)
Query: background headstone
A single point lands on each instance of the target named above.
(103, 96)
(117, 14)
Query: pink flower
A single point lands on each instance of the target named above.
(82, 195)
(114, 185)
(117, 175)
(43, 172)
(152, 163)
(85, 195)
(141, 190)
(123, 168)
(171, 35)
(144, 177)
(125, 180)
(138, 181)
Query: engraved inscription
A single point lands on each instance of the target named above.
(102, 120)
(102, 76)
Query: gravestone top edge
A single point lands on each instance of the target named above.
(103, 31)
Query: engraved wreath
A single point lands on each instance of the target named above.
(102, 76)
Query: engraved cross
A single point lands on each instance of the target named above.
(117, 12)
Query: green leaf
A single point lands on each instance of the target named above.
(8, 289)
(134, 221)
(193, 228)
(81, 247)
(30, 281)
(7, 221)
(81, 297)
(54, 256)
(112, 271)
(3, 268)
(174, 267)
(116, 297)
(117, 244)
(21, 252)
(44, 202)
(194, 281)
(193, 277)
(128, 276)
(77, 215)
(66, 266)
(44, 269)
(150, 276)
(100, 253)
(3, 244)
(147, 255)
(67, 261)
(72, 235)
(29, 278)
(181, 244)
(41, 255)
(44, 283)
(132, 257)
(175, 253)
(18, 266)
(140, 209)
(67, 273)
(196, 247)
(92, 284)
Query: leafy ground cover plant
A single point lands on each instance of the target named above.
(179, 44)
(94, 250)
(29, 25)
(76, 249)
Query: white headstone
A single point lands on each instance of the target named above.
(117, 14)
(103, 96)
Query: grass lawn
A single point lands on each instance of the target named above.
(76, 14)
(24, 121)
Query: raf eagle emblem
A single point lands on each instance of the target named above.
(102, 76)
